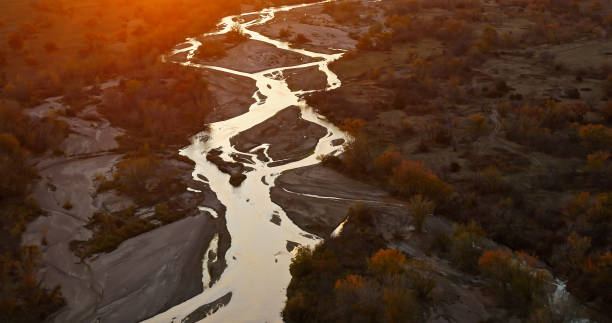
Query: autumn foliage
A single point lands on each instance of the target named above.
(410, 178)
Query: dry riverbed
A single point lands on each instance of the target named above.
(145, 274)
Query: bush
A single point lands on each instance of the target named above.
(420, 208)
(67, 205)
(420, 280)
(596, 136)
(411, 178)
(515, 278)
(210, 49)
(300, 39)
(284, 33)
(387, 262)
(466, 244)
(236, 33)
(109, 231)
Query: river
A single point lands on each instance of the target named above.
(257, 272)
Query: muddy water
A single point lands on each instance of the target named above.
(258, 260)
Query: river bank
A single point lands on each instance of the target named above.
(145, 274)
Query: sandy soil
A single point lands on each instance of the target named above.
(289, 136)
(254, 56)
(305, 79)
(324, 34)
(146, 274)
(321, 214)
(233, 94)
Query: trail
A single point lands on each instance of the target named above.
(258, 261)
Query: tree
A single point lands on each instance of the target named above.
(300, 39)
(357, 155)
(597, 273)
(420, 208)
(466, 244)
(514, 277)
(410, 178)
(387, 262)
(596, 136)
(400, 305)
(386, 161)
(353, 126)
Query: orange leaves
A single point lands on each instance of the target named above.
(513, 276)
(388, 160)
(493, 260)
(596, 276)
(352, 126)
(596, 136)
(387, 262)
(410, 178)
(349, 284)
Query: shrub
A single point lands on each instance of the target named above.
(67, 205)
(420, 208)
(387, 262)
(596, 136)
(300, 39)
(596, 273)
(466, 244)
(386, 161)
(400, 305)
(411, 178)
(284, 33)
(211, 49)
(596, 160)
(357, 155)
(419, 275)
(492, 180)
(109, 231)
(236, 33)
(513, 277)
